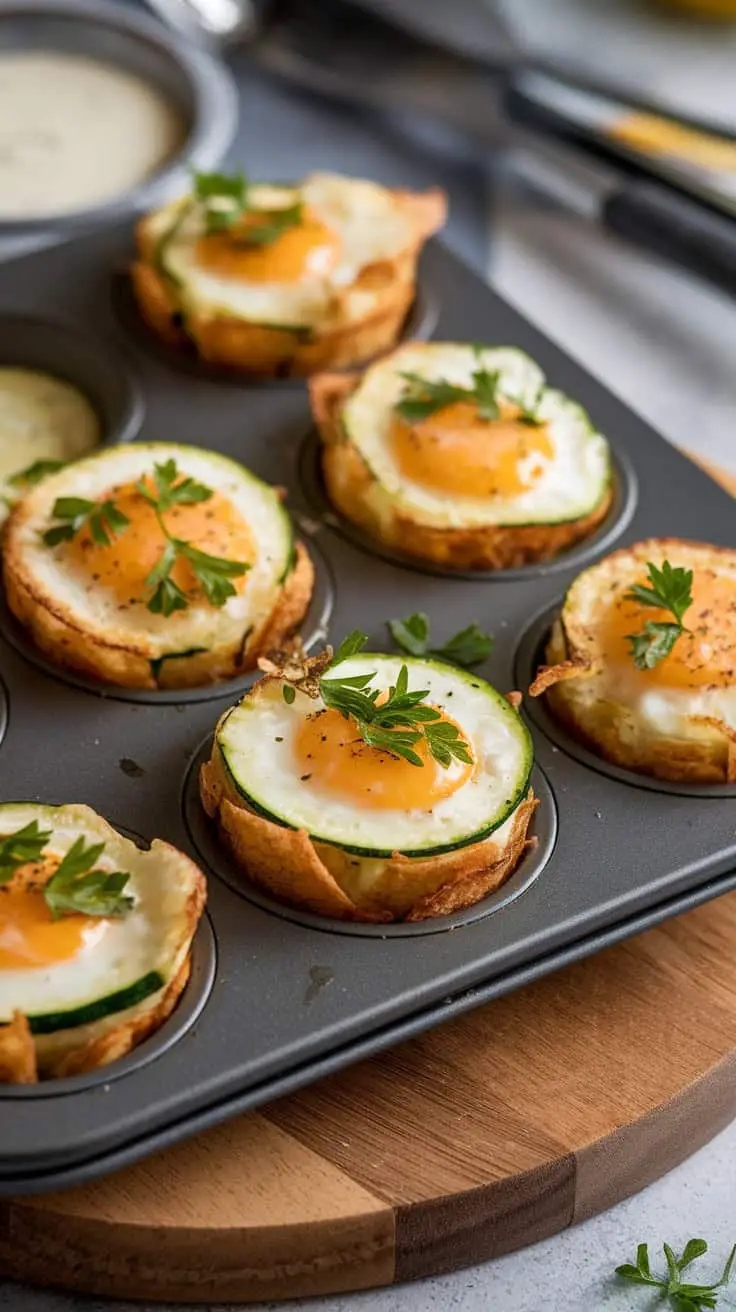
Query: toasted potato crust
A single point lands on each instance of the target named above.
(59, 633)
(349, 480)
(293, 868)
(582, 697)
(249, 348)
(26, 1058)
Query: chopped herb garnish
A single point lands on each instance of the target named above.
(33, 474)
(425, 396)
(398, 724)
(17, 849)
(467, 648)
(671, 591)
(103, 520)
(222, 197)
(75, 886)
(273, 225)
(682, 1295)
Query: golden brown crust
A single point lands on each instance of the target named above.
(64, 639)
(17, 1052)
(248, 348)
(349, 482)
(293, 868)
(579, 696)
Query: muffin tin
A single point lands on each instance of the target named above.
(278, 997)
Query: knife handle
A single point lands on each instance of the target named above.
(684, 231)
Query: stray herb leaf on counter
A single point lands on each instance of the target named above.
(23, 846)
(682, 1295)
(398, 723)
(34, 473)
(467, 648)
(670, 590)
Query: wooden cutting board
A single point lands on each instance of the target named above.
(498, 1129)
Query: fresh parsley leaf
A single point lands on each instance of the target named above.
(467, 648)
(289, 693)
(424, 396)
(670, 590)
(485, 388)
(223, 198)
(33, 474)
(173, 489)
(681, 1295)
(273, 225)
(103, 520)
(24, 845)
(76, 886)
(212, 572)
(350, 646)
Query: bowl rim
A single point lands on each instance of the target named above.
(214, 95)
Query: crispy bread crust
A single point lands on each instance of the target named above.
(60, 634)
(349, 480)
(293, 868)
(24, 1059)
(579, 696)
(247, 348)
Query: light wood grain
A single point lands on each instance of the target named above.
(479, 1137)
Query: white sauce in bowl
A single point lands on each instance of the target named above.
(76, 133)
(41, 418)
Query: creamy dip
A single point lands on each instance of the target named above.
(76, 133)
(41, 418)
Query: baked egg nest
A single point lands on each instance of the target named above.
(418, 810)
(95, 939)
(461, 456)
(155, 565)
(641, 661)
(283, 280)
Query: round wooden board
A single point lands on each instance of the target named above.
(499, 1129)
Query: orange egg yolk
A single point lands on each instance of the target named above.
(704, 655)
(28, 935)
(310, 248)
(331, 753)
(122, 567)
(454, 450)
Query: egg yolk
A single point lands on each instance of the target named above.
(310, 248)
(454, 450)
(29, 936)
(705, 655)
(122, 567)
(331, 753)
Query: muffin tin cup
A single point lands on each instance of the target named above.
(529, 657)
(314, 630)
(91, 364)
(419, 325)
(296, 996)
(203, 834)
(617, 520)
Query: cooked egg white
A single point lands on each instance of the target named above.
(41, 418)
(453, 470)
(293, 281)
(104, 589)
(306, 767)
(78, 976)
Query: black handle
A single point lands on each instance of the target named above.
(678, 229)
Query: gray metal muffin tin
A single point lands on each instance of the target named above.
(279, 998)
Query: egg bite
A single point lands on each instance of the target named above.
(283, 280)
(641, 687)
(327, 814)
(95, 939)
(154, 565)
(461, 456)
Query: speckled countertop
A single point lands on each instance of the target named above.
(666, 344)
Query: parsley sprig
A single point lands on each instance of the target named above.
(671, 589)
(76, 514)
(467, 648)
(683, 1296)
(399, 723)
(106, 521)
(213, 573)
(76, 886)
(422, 397)
(225, 201)
(33, 474)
